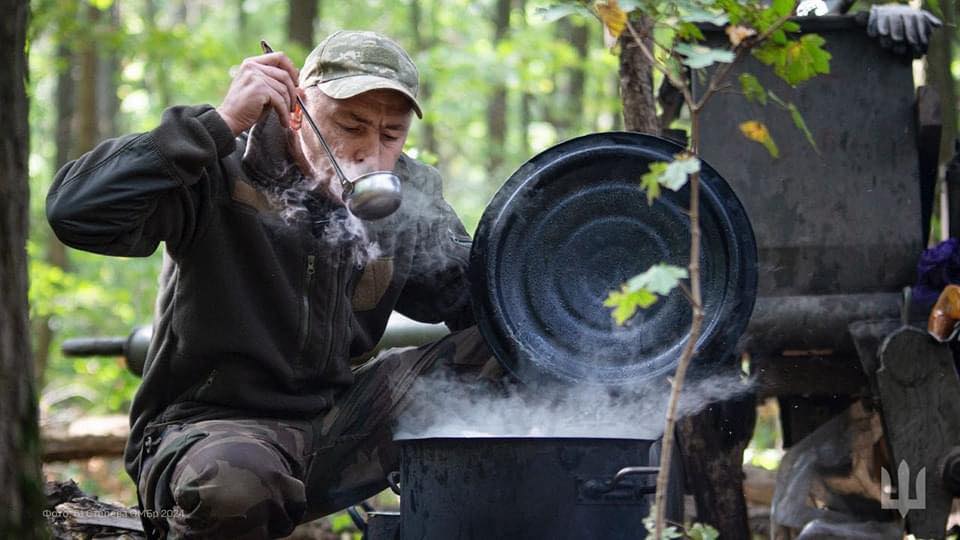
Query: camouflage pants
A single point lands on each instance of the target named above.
(259, 478)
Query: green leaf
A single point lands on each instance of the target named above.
(776, 99)
(672, 175)
(640, 291)
(819, 58)
(340, 522)
(798, 60)
(782, 8)
(752, 89)
(688, 31)
(699, 15)
(669, 532)
(802, 125)
(626, 303)
(797, 118)
(779, 37)
(790, 26)
(736, 11)
(659, 279)
(558, 11)
(678, 171)
(934, 6)
(699, 531)
(699, 56)
(651, 180)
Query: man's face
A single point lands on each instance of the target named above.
(366, 133)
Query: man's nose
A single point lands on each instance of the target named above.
(369, 155)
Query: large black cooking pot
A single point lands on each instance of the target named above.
(528, 488)
(571, 225)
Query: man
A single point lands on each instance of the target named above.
(249, 419)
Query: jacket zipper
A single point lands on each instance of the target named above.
(305, 304)
(336, 305)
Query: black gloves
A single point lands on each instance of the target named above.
(901, 28)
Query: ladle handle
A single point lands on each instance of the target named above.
(347, 186)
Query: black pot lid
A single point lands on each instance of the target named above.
(571, 225)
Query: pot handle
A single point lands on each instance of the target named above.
(357, 517)
(597, 487)
(393, 479)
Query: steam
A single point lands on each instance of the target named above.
(443, 406)
(308, 198)
(317, 197)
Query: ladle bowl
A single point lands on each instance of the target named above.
(374, 195)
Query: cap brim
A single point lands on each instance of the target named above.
(347, 87)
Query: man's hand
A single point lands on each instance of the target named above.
(268, 80)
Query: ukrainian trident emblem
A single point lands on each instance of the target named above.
(902, 502)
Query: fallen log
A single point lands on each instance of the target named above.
(96, 436)
(71, 514)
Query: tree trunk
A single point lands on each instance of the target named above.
(241, 17)
(570, 116)
(21, 498)
(108, 70)
(56, 251)
(497, 106)
(87, 129)
(579, 34)
(300, 18)
(712, 444)
(159, 83)
(636, 81)
(423, 43)
(937, 68)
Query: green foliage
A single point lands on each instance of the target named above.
(689, 531)
(795, 61)
(626, 302)
(642, 290)
(797, 119)
(700, 531)
(650, 181)
(552, 13)
(752, 89)
(698, 56)
(668, 533)
(688, 31)
(342, 524)
(671, 175)
(699, 14)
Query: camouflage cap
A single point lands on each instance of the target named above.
(351, 62)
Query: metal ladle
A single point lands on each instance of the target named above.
(370, 196)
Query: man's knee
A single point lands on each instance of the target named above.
(245, 484)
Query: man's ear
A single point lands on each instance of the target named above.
(295, 150)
